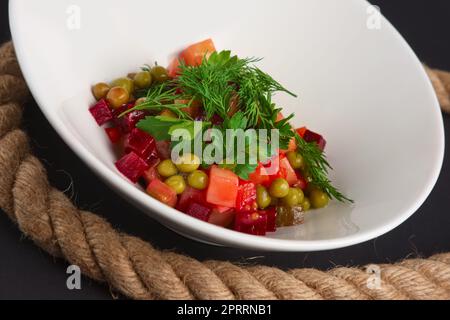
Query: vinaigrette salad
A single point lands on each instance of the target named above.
(204, 136)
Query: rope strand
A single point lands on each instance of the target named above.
(139, 271)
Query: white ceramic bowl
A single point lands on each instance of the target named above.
(363, 88)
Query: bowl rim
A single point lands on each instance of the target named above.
(209, 231)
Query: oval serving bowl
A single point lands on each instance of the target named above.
(361, 86)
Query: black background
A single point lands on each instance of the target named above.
(27, 272)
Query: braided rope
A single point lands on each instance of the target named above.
(139, 271)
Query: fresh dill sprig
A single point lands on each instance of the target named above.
(213, 82)
(163, 96)
(222, 80)
(318, 166)
(255, 93)
(222, 77)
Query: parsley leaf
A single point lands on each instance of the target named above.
(158, 126)
(244, 170)
(223, 80)
(237, 121)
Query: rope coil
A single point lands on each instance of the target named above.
(136, 269)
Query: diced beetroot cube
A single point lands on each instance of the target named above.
(251, 222)
(101, 112)
(128, 122)
(117, 112)
(162, 192)
(163, 148)
(199, 211)
(301, 183)
(271, 219)
(311, 136)
(246, 196)
(201, 116)
(142, 144)
(191, 195)
(114, 134)
(216, 120)
(132, 166)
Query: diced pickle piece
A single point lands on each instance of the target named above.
(298, 215)
(285, 217)
(289, 216)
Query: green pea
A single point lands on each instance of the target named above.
(301, 195)
(159, 74)
(279, 188)
(117, 97)
(188, 163)
(100, 90)
(198, 179)
(306, 205)
(167, 168)
(169, 114)
(292, 199)
(143, 79)
(318, 198)
(125, 83)
(295, 159)
(177, 183)
(263, 198)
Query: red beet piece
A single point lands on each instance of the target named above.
(131, 166)
(163, 148)
(117, 112)
(215, 119)
(199, 211)
(271, 219)
(310, 136)
(246, 196)
(142, 144)
(114, 134)
(128, 122)
(101, 112)
(251, 222)
(151, 173)
(301, 183)
(191, 195)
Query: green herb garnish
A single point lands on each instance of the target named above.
(163, 96)
(224, 84)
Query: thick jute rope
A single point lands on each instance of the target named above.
(137, 270)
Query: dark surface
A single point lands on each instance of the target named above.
(27, 272)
